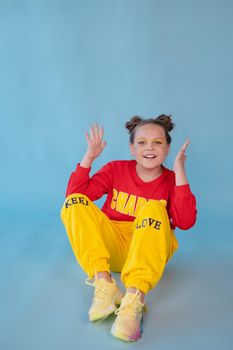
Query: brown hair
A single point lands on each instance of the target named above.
(162, 120)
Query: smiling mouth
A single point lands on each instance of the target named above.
(149, 157)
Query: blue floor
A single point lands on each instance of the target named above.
(65, 65)
(44, 300)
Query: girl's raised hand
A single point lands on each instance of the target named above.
(181, 157)
(95, 141)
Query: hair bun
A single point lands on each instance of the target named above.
(166, 121)
(134, 121)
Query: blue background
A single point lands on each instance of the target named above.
(68, 63)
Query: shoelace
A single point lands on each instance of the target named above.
(100, 291)
(131, 309)
(90, 282)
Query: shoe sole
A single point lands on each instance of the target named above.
(104, 315)
(122, 336)
(112, 308)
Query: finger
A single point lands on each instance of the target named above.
(101, 132)
(87, 137)
(186, 144)
(184, 147)
(93, 131)
(103, 144)
(96, 132)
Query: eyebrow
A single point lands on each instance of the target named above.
(154, 139)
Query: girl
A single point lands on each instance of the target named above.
(134, 232)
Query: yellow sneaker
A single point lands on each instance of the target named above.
(107, 296)
(128, 324)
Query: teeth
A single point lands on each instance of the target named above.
(149, 156)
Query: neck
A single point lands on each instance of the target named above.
(148, 175)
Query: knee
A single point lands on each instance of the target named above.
(76, 198)
(153, 206)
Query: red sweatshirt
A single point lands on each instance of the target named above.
(126, 192)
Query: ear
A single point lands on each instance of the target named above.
(132, 151)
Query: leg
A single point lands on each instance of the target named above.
(153, 243)
(97, 243)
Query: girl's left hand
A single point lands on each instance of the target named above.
(181, 157)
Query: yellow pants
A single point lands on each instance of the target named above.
(139, 249)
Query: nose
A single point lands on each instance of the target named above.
(149, 146)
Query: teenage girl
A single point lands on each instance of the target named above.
(134, 231)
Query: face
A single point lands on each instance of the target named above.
(150, 146)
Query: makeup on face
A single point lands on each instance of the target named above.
(150, 143)
(156, 140)
(150, 132)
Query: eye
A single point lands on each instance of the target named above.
(141, 142)
(158, 142)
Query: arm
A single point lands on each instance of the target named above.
(179, 165)
(80, 181)
(183, 203)
(95, 145)
(183, 210)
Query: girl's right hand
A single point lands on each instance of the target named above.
(95, 142)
